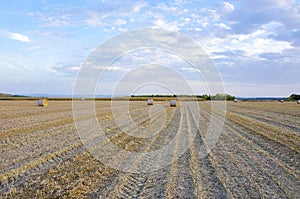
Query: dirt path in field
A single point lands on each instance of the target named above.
(256, 156)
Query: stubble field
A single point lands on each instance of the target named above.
(256, 156)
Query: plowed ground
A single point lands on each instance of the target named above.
(256, 156)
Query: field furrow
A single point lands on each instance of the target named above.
(287, 156)
(206, 180)
(132, 184)
(268, 175)
(283, 124)
(283, 180)
(41, 165)
(180, 183)
(43, 155)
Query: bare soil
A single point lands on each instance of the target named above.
(256, 156)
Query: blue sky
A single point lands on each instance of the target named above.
(255, 44)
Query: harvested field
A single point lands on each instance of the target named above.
(256, 156)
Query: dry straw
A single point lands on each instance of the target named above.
(150, 102)
(43, 102)
(172, 103)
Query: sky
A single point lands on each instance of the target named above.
(254, 44)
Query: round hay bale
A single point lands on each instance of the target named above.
(172, 103)
(298, 102)
(42, 102)
(150, 102)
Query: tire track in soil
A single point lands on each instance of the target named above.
(206, 181)
(235, 183)
(266, 114)
(41, 125)
(157, 180)
(34, 112)
(34, 148)
(264, 166)
(290, 139)
(181, 182)
(18, 177)
(94, 186)
(280, 125)
(262, 183)
(279, 111)
(269, 176)
(279, 152)
(133, 184)
(37, 155)
(104, 176)
(274, 150)
(239, 142)
(33, 119)
(56, 107)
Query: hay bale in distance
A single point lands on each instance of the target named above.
(150, 102)
(172, 103)
(43, 102)
(298, 102)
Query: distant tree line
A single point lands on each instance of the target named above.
(219, 97)
(294, 97)
(157, 95)
(204, 97)
(10, 95)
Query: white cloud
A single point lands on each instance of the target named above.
(160, 23)
(228, 6)
(75, 68)
(119, 22)
(235, 33)
(165, 8)
(117, 68)
(122, 29)
(252, 44)
(204, 22)
(137, 7)
(258, 42)
(19, 37)
(190, 69)
(282, 3)
(214, 56)
(222, 25)
(8, 63)
(53, 20)
(93, 19)
(258, 45)
(262, 45)
(187, 19)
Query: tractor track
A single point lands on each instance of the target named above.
(17, 177)
(256, 156)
